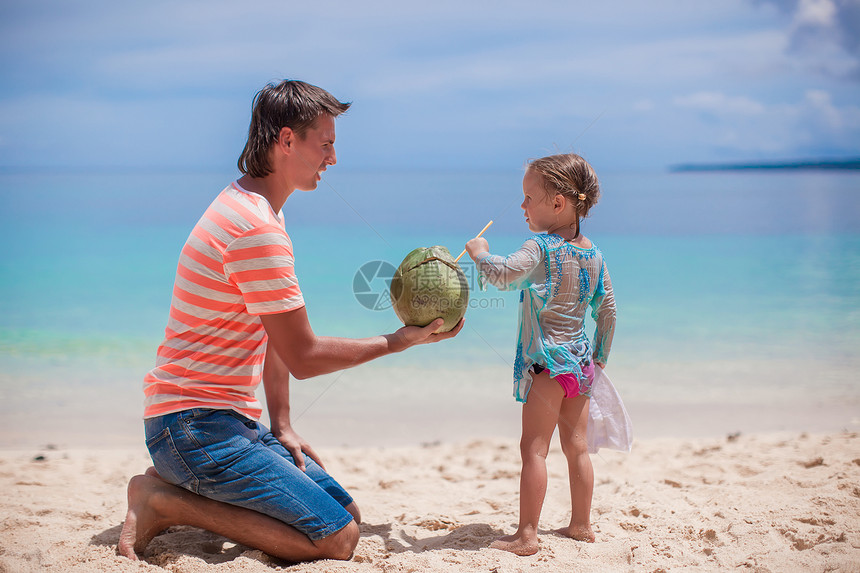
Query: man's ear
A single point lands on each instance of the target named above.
(286, 137)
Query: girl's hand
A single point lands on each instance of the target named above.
(477, 246)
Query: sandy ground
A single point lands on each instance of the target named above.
(757, 502)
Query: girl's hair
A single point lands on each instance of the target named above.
(569, 175)
(292, 104)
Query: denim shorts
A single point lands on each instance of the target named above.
(225, 456)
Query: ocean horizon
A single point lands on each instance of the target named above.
(735, 288)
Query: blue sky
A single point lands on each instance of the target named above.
(459, 85)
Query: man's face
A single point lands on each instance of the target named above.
(313, 153)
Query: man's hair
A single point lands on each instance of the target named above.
(292, 104)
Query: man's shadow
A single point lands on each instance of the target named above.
(169, 545)
(174, 542)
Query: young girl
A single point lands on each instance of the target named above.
(560, 273)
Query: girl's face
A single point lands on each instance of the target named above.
(537, 205)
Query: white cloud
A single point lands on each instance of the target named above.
(823, 36)
(429, 76)
(83, 132)
(751, 127)
(721, 104)
(815, 13)
(819, 110)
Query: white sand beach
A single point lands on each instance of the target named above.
(771, 502)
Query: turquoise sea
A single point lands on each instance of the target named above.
(736, 290)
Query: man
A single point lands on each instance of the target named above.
(238, 316)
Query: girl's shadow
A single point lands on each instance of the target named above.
(469, 537)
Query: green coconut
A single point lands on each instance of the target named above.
(428, 285)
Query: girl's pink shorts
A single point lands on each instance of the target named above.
(572, 385)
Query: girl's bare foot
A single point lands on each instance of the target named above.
(580, 533)
(142, 521)
(516, 544)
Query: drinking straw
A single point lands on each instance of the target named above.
(487, 226)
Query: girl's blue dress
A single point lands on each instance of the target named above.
(558, 282)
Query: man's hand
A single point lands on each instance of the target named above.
(409, 336)
(306, 355)
(296, 446)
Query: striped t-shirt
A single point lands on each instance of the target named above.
(236, 264)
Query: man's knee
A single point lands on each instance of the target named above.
(341, 544)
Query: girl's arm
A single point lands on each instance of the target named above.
(603, 312)
(506, 273)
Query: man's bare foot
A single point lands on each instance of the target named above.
(152, 472)
(142, 521)
(516, 545)
(580, 533)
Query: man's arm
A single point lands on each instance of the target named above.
(306, 355)
(276, 383)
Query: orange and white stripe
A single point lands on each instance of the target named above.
(236, 265)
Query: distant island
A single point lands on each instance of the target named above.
(842, 164)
